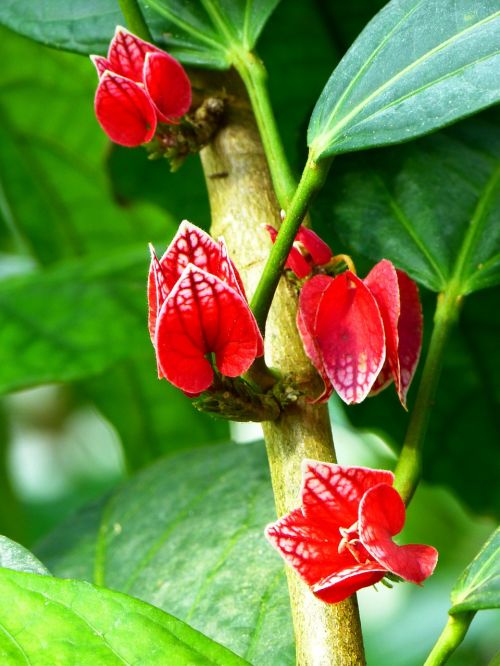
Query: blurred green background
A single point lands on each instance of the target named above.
(82, 410)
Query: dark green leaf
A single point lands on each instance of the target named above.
(200, 33)
(479, 586)
(431, 206)
(53, 621)
(16, 557)
(417, 66)
(187, 535)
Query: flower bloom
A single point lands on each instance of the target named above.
(139, 86)
(308, 250)
(362, 334)
(340, 539)
(197, 307)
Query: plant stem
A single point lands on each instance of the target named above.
(135, 20)
(241, 203)
(451, 637)
(409, 464)
(312, 179)
(254, 75)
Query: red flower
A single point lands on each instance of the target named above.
(308, 250)
(197, 307)
(139, 86)
(340, 539)
(362, 334)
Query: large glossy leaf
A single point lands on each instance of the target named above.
(417, 66)
(16, 557)
(187, 535)
(432, 207)
(53, 621)
(201, 33)
(479, 586)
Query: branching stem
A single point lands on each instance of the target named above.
(313, 177)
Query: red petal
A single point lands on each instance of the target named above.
(168, 85)
(309, 300)
(190, 245)
(410, 332)
(101, 64)
(331, 493)
(310, 548)
(203, 315)
(381, 516)
(127, 54)
(384, 379)
(345, 582)
(317, 248)
(382, 281)
(124, 111)
(350, 336)
(157, 291)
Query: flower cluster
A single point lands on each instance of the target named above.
(362, 334)
(139, 86)
(197, 307)
(340, 539)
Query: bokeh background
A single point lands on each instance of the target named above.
(82, 413)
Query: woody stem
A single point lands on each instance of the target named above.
(134, 19)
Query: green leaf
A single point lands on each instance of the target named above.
(53, 621)
(16, 557)
(418, 65)
(197, 33)
(96, 316)
(431, 207)
(186, 534)
(54, 187)
(479, 586)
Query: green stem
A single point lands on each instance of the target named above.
(313, 177)
(409, 465)
(134, 19)
(453, 634)
(254, 75)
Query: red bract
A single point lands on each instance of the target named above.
(197, 307)
(340, 539)
(308, 250)
(139, 86)
(362, 334)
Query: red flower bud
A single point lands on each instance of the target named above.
(140, 85)
(197, 307)
(362, 334)
(308, 250)
(340, 539)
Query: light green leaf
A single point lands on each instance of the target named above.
(16, 557)
(479, 586)
(186, 535)
(52, 621)
(53, 182)
(418, 65)
(72, 321)
(431, 207)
